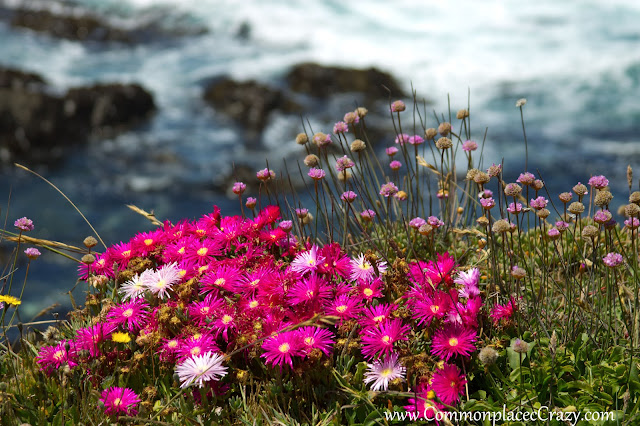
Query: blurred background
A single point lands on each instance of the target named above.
(153, 102)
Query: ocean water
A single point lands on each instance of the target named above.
(576, 62)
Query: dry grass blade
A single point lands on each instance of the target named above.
(150, 216)
(65, 197)
(46, 243)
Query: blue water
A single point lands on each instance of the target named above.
(577, 63)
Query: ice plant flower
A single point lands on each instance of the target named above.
(52, 357)
(503, 312)
(160, 282)
(361, 268)
(281, 348)
(132, 315)
(469, 279)
(448, 384)
(307, 261)
(24, 224)
(202, 368)
(453, 340)
(315, 338)
(118, 401)
(133, 288)
(382, 372)
(378, 341)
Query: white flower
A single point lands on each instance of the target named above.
(200, 369)
(361, 268)
(159, 282)
(382, 372)
(133, 288)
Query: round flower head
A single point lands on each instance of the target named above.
(469, 146)
(388, 189)
(398, 106)
(200, 369)
(321, 139)
(391, 151)
(265, 175)
(538, 203)
(453, 340)
(395, 165)
(599, 182)
(512, 190)
(251, 203)
(367, 215)
(32, 253)
(378, 341)
(24, 224)
(316, 174)
(340, 127)
(344, 163)
(416, 140)
(526, 178)
(612, 259)
(348, 196)
(514, 208)
(281, 348)
(487, 203)
(417, 222)
(315, 338)
(382, 372)
(239, 188)
(118, 401)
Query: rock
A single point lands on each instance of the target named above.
(248, 103)
(37, 126)
(324, 81)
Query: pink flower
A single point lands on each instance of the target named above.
(340, 127)
(197, 345)
(417, 222)
(52, 357)
(361, 268)
(118, 401)
(225, 277)
(344, 307)
(251, 202)
(599, 182)
(435, 222)
(266, 175)
(402, 138)
(514, 208)
(448, 383)
(378, 341)
(416, 140)
(538, 203)
(395, 165)
(367, 215)
(32, 253)
(388, 189)
(432, 307)
(307, 261)
(382, 372)
(24, 224)
(373, 316)
(308, 290)
(632, 223)
(526, 178)
(469, 280)
(316, 174)
(469, 146)
(613, 259)
(239, 188)
(315, 338)
(391, 151)
(487, 203)
(503, 312)
(398, 106)
(344, 163)
(281, 348)
(348, 196)
(453, 340)
(132, 315)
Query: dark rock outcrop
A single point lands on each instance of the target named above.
(36, 125)
(324, 81)
(248, 103)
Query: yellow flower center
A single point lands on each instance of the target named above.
(117, 402)
(220, 281)
(341, 308)
(309, 341)
(202, 251)
(435, 308)
(254, 282)
(431, 394)
(126, 253)
(172, 344)
(386, 372)
(309, 294)
(379, 318)
(284, 348)
(226, 319)
(453, 384)
(127, 313)
(161, 283)
(453, 342)
(195, 350)
(253, 304)
(204, 310)
(386, 339)
(181, 250)
(148, 241)
(203, 268)
(201, 232)
(59, 355)
(368, 292)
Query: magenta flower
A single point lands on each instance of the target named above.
(538, 203)
(514, 208)
(487, 203)
(239, 188)
(32, 253)
(131, 315)
(448, 384)
(632, 223)
(391, 151)
(91, 338)
(309, 289)
(469, 146)
(599, 182)
(373, 316)
(417, 222)
(205, 310)
(388, 189)
(453, 340)
(24, 224)
(225, 277)
(553, 233)
(469, 279)
(416, 140)
(487, 193)
(344, 307)
(118, 401)
(286, 225)
(402, 138)
(562, 226)
(52, 357)
(197, 345)
(612, 259)
(315, 338)
(378, 341)
(367, 215)
(526, 178)
(431, 307)
(503, 312)
(281, 348)
(251, 202)
(316, 174)
(395, 165)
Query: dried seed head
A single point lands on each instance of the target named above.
(553, 342)
(580, 189)
(589, 232)
(350, 117)
(543, 213)
(635, 197)
(494, 170)
(481, 178)
(344, 176)
(307, 219)
(512, 190)
(520, 102)
(88, 259)
(576, 207)
(520, 346)
(471, 173)
(632, 210)
(565, 197)
(90, 242)
(537, 184)
(501, 226)
(361, 111)
(444, 143)
(425, 229)
(311, 160)
(461, 114)
(358, 145)
(603, 198)
(430, 133)
(302, 138)
(518, 273)
(483, 221)
(444, 128)
(488, 356)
